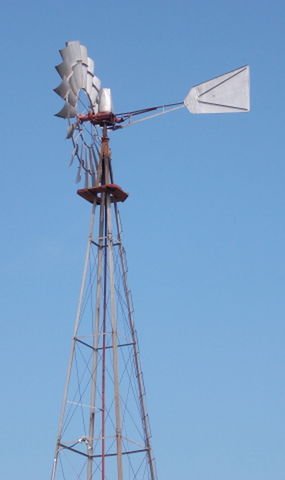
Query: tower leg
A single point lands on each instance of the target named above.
(95, 344)
(114, 341)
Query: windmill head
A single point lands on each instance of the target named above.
(227, 93)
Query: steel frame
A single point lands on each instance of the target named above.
(105, 245)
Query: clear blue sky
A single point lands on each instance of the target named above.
(203, 227)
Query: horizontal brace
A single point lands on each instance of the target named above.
(74, 450)
(84, 343)
(130, 452)
(97, 244)
(103, 246)
(101, 348)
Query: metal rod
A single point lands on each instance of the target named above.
(145, 110)
(100, 348)
(114, 327)
(99, 456)
(152, 116)
(95, 346)
(104, 344)
(103, 387)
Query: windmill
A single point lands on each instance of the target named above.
(104, 431)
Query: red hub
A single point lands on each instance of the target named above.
(101, 119)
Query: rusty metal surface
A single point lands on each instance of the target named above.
(117, 194)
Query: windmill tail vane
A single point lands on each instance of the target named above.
(104, 430)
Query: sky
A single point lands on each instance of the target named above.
(204, 229)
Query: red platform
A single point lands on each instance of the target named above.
(91, 194)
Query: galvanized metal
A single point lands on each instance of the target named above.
(92, 450)
(77, 73)
(68, 111)
(105, 101)
(117, 402)
(228, 93)
(99, 276)
(71, 54)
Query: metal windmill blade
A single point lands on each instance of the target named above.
(77, 72)
(68, 111)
